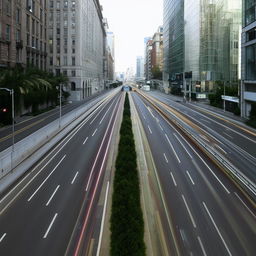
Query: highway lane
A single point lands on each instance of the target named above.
(27, 127)
(239, 134)
(209, 213)
(60, 201)
(240, 150)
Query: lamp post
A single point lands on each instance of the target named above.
(224, 103)
(11, 91)
(60, 105)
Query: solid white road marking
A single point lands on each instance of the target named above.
(149, 109)
(2, 238)
(221, 149)
(161, 127)
(96, 115)
(52, 195)
(165, 158)
(72, 182)
(94, 132)
(245, 205)
(205, 120)
(228, 135)
(67, 138)
(182, 145)
(175, 184)
(215, 176)
(189, 212)
(103, 219)
(201, 245)
(203, 137)
(190, 178)
(149, 129)
(47, 178)
(50, 226)
(144, 117)
(85, 140)
(106, 112)
(173, 148)
(217, 229)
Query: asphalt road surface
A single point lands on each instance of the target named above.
(209, 214)
(52, 210)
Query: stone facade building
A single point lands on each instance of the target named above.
(77, 39)
(23, 33)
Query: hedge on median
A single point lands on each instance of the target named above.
(127, 226)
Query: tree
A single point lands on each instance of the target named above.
(157, 73)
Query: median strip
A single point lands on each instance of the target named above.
(127, 226)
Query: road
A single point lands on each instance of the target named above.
(53, 209)
(235, 141)
(30, 125)
(209, 214)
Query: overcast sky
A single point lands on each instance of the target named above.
(131, 21)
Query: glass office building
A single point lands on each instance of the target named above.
(248, 85)
(208, 39)
(173, 41)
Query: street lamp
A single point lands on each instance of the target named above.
(60, 105)
(224, 103)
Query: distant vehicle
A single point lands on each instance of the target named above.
(126, 88)
(145, 88)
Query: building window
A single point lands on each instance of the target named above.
(73, 73)
(28, 40)
(58, 5)
(8, 7)
(65, 72)
(251, 62)
(8, 33)
(28, 23)
(251, 35)
(73, 61)
(65, 60)
(51, 61)
(18, 35)
(58, 61)
(18, 16)
(250, 12)
(73, 86)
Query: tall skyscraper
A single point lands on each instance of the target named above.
(203, 45)
(248, 90)
(77, 44)
(140, 68)
(173, 40)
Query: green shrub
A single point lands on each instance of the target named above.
(127, 226)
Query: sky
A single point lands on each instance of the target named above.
(131, 21)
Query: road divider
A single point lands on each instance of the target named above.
(127, 225)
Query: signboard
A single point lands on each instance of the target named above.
(230, 98)
(201, 96)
